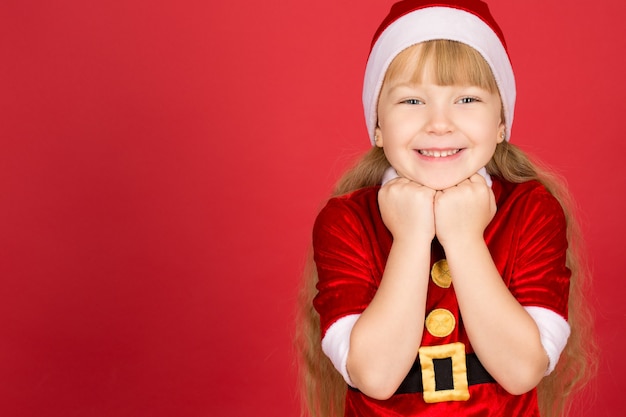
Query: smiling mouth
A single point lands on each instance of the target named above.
(438, 153)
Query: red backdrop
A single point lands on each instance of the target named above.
(161, 164)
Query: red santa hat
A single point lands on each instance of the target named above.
(413, 21)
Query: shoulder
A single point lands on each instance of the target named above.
(349, 219)
(359, 197)
(357, 204)
(529, 211)
(526, 196)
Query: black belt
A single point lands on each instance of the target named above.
(476, 374)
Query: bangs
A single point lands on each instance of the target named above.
(450, 62)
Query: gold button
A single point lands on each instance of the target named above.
(440, 322)
(440, 273)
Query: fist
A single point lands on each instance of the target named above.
(463, 212)
(407, 209)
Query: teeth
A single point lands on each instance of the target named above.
(438, 154)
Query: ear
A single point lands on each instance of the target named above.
(378, 137)
(501, 133)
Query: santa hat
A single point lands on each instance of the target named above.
(413, 21)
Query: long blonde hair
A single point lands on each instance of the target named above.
(322, 388)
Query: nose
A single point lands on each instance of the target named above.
(439, 120)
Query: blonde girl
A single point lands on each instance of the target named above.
(445, 264)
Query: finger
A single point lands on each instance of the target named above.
(477, 178)
(493, 203)
(397, 180)
(438, 195)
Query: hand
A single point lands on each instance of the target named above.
(463, 212)
(407, 209)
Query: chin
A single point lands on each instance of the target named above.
(440, 184)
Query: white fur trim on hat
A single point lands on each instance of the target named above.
(429, 24)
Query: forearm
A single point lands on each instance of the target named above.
(502, 333)
(385, 339)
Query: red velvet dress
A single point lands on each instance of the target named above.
(527, 241)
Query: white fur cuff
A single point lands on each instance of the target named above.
(336, 344)
(554, 331)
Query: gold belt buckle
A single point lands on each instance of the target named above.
(456, 353)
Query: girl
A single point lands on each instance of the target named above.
(446, 262)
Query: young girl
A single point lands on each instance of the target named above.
(445, 264)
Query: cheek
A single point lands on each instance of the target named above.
(489, 150)
(400, 125)
(386, 121)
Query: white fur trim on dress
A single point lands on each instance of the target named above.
(391, 173)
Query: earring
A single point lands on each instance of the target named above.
(503, 135)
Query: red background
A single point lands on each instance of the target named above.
(161, 164)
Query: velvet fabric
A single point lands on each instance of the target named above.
(527, 241)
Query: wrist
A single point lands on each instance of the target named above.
(463, 244)
(413, 240)
(411, 249)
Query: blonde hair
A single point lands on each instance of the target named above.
(322, 388)
(450, 62)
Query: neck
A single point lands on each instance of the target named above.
(391, 173)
